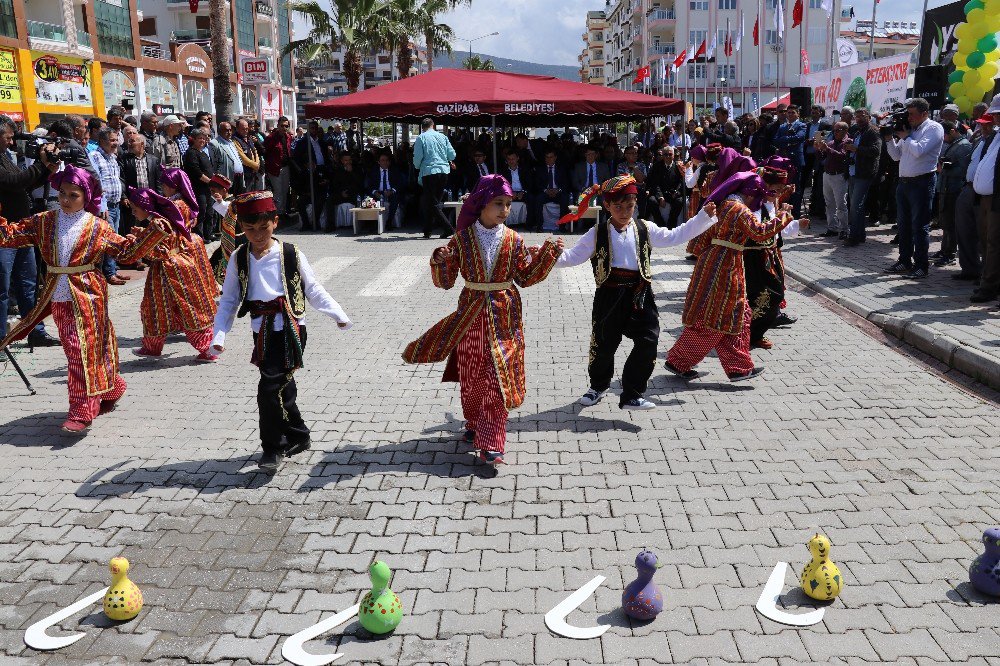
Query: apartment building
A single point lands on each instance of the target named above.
(592, 57)
(648, 32)
(84, 56)
(322, 80)
(891, 38)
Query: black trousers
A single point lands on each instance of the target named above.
(276, 394)
(432, 202)
(615, 316)
(206, 214)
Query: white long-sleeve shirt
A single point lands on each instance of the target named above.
(984, 177)
(266, 284)
(917, 154)
(623, 243)
(691, 176)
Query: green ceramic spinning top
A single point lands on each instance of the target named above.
(380, 610)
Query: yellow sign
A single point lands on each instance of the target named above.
(61, 79)
(10, 87)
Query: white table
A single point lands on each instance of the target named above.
(368, 215)
(592, 213)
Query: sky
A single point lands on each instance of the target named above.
(549, 31)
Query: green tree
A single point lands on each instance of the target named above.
(475, 62)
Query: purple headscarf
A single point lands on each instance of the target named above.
(748, 184)
(783, 163)
(698, 153)
(489, 187)
(177, 179)
(730, 163)
(83, 179)
(156, 204)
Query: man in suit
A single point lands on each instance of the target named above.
(387, 185)
(527, 154)
(590, 172)
(138, 169)
(665, 183)
(813, 169)
(521, 183)
(476, 170)
(865, 151)
(551, 186)
(310, 160)
(788, 141)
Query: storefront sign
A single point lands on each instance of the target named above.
(196, 65)
(10, 88)
(254, 71)
(61, 79)
(270, 103)
(163, 109)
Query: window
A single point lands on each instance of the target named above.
(159, 90)
(770, 36)
(244, 26)
(772, 4)
(283, 39)
(817, 35)
(727, 4)
(114, 27)
(196, 97)
(147, 27)
(727, 72)
(817, 66)
(698, 5)
(8, 28)
(697, 37)
(770, 73)
(815, 4)
(697, 72)
(118, 88)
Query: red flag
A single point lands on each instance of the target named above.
(805, 61)
(756, 31)
(641, 74)
(797, 14)
(680, 59)
(193, 6)
(727, 48)
(701, 49)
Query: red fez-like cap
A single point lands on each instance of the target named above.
(220, 181)
(254, 203)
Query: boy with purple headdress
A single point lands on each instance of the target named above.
(483, 340)
(73, 241)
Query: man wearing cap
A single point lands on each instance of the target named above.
(985, 184)
(967, 211)
(950, 113)
(916, 148)
(166, 146)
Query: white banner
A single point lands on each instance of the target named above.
(875, 85)
(846, 52)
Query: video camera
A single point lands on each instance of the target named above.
(33, 145)
(899, 119)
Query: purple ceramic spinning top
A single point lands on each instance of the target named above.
(642, 599)
(984, 573)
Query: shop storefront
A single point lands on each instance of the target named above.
(64, 84)
(161, 94)
(119, 89)
(196, 74)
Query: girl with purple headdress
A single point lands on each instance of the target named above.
(483, 340)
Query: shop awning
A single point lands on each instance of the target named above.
(472, 98)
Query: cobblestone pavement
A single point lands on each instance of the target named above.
(937, 310)
(843, 434)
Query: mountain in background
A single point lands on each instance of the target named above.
(566, 72)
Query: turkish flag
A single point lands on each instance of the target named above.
(193, 4)
(727, 48)
(756, 31)
(701, 49)
(797, 14)
(641, 74)
(680, 59)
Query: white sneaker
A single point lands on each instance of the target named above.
(638, 403)
(591, 397)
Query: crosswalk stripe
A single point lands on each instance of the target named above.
(326, 267)
(398, 276)
(671, 275)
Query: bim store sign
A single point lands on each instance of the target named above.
(61, 80)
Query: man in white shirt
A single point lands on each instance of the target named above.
(967, 209)
(984, 182)
(916, 148)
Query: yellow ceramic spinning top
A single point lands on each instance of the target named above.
(123, 600)
(821, 578)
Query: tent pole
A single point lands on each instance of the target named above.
(493, 125)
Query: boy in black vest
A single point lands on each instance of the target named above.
(271, 281)
(619, 249)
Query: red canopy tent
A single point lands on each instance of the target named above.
(460, 97)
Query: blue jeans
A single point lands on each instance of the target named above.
(857, 196)
(110, 266)
(18, 276)
(914, 199)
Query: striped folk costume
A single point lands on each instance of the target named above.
(483, 340)
(76, 293)
(716, 310)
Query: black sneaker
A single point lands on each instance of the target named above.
(945, 261)
(916, 274)
(268, 463)
(937, 255)
(296, 448)
(784, 319)
(980, 297)
(899, 268)
(749, 375)
(829, 233)
(42, 339)
(469, 436)
(689, 375)
(853, 242)
(637, 404)
(895, 240)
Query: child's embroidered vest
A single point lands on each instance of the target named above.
(294, 295)
(601, 261)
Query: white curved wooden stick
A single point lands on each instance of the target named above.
(767, 604)
(555, 619)
(35, 636)
(293, 651)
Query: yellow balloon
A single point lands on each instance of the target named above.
(993, 56)
(992, 8)
(964, 104)
(989, 70)
(971, 79)
(976, 18)
(963, 31)
(963, 49)
(956, 90)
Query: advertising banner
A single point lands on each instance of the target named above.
(938, 41)
(255, 71)
(10, 88)
(270, 103)
(875, 85)
(61, 79)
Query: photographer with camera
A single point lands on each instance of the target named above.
(15, 204)
(952, 165)
(916, 144)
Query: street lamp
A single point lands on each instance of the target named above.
(492, 34)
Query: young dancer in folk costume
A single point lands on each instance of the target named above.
(73, 241)
(176, 186)
(762, 262)
(727, 164)
(619, 250)
(483, 340)
(271, 281)
(716, 313)
(699, 175)
(180, 290)
(230, 237)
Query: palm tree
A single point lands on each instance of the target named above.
(220, 60)
(356, 26)
(438, 36)
(475, 62)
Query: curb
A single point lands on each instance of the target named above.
(978, 365)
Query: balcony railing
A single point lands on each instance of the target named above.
(83, 39)
(49, 31)
(196, 35)
(157, 51)
(662, 49)
(662, 15)
(264, 8)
